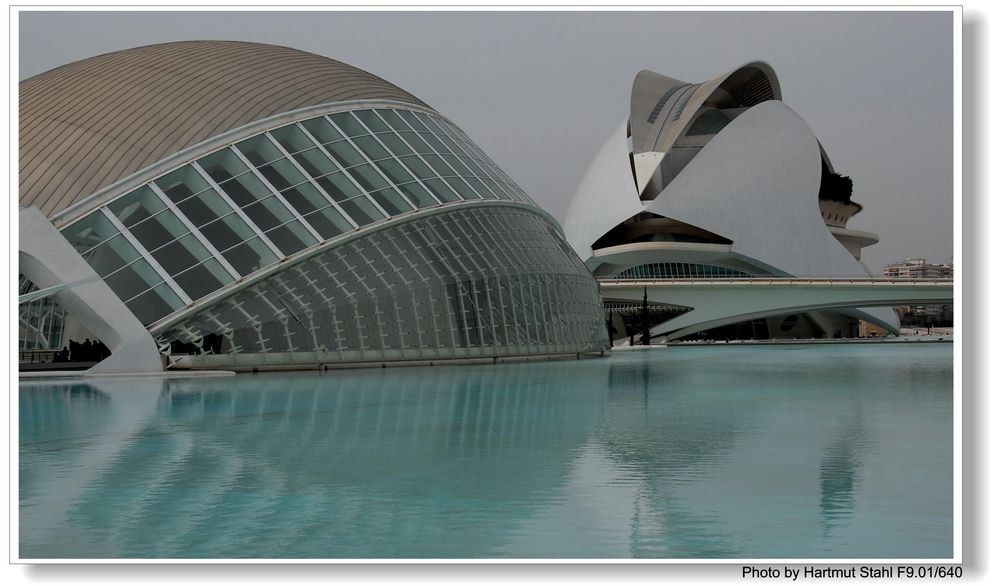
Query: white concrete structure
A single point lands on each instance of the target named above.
(710, 303)
(719, 176)
(245, 206)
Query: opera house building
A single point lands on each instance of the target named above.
(719, 180)
(231, 205)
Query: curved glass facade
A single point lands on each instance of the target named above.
(680, 270)
(233, 212)
(40, 323)
(471, 282)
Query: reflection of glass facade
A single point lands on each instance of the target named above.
(216, 220)
(489, 281)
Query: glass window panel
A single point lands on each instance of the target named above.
(322, 130)
(430, 122)
(268, 213)
(371, 120)
(250, 256)
(90, 231)
(208, 206)
(227, 232)
(418, 194)
(282, 174)
(292, 139)
(391, 201)
(497, 188)
(480, 188)
(315, 162)
(451, 131)
(432, 140)
(338, 186)
(155, 303)
(137, 206)
(439, 165)
(259, 150)
(394, 171)
(133, 279)
(451, 144)
(441, 190)
(414, 141)
(396, 145)
(291, 237)
(347, 124)
(371, 147)
(367, 177)
(246, 189)
(159, 230)
(418, 167)
(409, 117)
(305, 198)
(464, 190)
(344, 153)
(182, 183)
(492, 173)
(111, 256)
(180, 255)
(203, 279)
(328, 222)
(426, 121)
(457, 165)
(362, 211)
(474, 166)
(393, 119)
(222, 165)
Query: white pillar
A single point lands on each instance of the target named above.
(48, 259)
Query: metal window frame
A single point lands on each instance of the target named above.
(147, 257)
(194, 230)
(311, 181)
(342, 169)
(274, 192)
(472, 158)
(392, 156)
(371, 162)
(439, 175)
(239, 211)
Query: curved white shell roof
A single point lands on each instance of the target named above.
(754, 183)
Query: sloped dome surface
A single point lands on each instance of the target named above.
(88, 124)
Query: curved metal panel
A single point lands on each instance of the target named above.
(665, 130)
(605, 197)
(767, 189)
(87, 124)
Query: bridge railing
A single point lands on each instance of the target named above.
(780, 280)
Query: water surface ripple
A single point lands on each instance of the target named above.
(831, 451)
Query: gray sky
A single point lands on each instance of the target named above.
(541, 91)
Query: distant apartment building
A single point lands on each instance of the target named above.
(919, 268)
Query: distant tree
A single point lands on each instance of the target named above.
(835, 187)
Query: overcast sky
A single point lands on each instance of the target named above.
(541, 92)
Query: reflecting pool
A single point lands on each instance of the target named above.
(819, 451)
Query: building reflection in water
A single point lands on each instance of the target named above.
(702, 453)
(381, 463)
(839, 469)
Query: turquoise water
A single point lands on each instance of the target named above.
(819, 451)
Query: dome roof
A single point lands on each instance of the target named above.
(88, 124)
